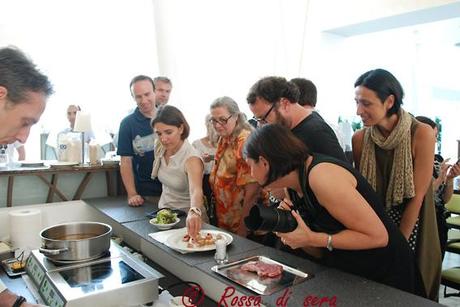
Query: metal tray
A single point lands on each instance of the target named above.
(8, 270)
(261, 285)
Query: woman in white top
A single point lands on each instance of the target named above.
(179, 167)
(207, 146)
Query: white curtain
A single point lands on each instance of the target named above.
(89, 49)
(214, 48)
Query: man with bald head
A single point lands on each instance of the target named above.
(71, 116)
(23, 94)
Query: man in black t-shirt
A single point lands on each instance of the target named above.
(275, 100)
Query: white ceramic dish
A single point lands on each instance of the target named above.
(178, 301)
(175, 241)
(164, 226)
(61, 164)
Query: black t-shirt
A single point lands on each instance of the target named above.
(319, 136)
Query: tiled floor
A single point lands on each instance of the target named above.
(450, 260)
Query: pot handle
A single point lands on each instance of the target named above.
(52, 251)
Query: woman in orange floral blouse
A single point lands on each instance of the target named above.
(234, 189)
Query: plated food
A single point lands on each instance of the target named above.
(165, 216)
(165, 219)
(180, 241)
(14, 266)
(201, 240)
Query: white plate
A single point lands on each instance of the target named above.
(63, 164)
(164, 226)
(174, 241)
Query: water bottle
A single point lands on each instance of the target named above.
(3, 156)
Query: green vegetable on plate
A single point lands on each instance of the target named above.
(165, 216)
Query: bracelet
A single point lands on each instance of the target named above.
(19, 300)
(195, 210)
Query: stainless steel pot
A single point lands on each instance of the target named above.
(78, 241)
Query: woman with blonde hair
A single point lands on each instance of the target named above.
(207, 147)
(234, 189)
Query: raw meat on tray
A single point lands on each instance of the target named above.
(263, 269)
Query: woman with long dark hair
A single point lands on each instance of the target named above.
(342, 217)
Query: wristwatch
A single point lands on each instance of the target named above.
(329, 243)
(19, 301)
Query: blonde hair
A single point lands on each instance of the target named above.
(211, 133)
(233, 109)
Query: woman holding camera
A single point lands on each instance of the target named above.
(342, 215)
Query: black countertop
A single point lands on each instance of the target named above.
(238, 246)
(117, 208)
(327, 285)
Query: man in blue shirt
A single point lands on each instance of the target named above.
(136, 143)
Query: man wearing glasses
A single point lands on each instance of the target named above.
(275, 100)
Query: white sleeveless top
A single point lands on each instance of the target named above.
(203, 149)
(174, 179)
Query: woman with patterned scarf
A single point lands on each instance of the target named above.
(394, 152)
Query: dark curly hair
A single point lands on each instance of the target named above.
(279, 146)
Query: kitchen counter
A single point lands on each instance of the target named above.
(327, 284)
(118, 210)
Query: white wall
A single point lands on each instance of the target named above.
(210, 48)
(89, 49)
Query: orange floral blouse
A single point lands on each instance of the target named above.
(227, 180)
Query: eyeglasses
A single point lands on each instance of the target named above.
(221, 121)
(263, 120)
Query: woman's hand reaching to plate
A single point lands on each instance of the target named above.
(193, 222)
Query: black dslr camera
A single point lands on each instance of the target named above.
(270, 219)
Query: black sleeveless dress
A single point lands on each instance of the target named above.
(393, 265)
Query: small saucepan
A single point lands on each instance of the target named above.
(79, 241)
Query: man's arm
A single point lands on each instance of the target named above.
(125, 151)
(127, 175)
(8, 298)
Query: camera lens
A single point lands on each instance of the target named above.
(270, 219)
